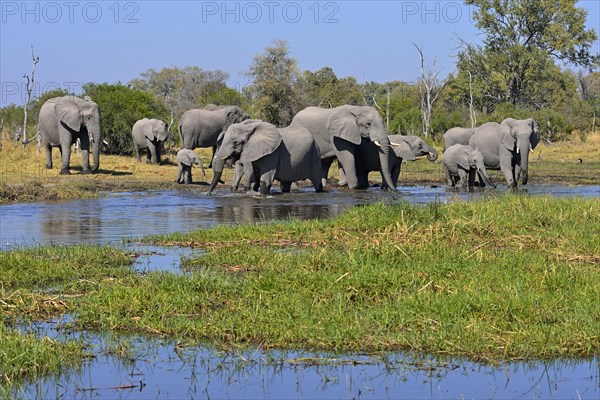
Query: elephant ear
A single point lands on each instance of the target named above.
(508, 139)
(186, 157)
(344, 127)
(534, 139)
(402, 150)
(264, 139)
(68, 113)
(150, 131)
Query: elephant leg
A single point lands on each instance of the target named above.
(286, 187)
(266, 180)
(325, 165)
(345, 154)
(48, 155)
(462, 174)
(179, 174)
(84, 146)
(472, 174)
(136, 148)
(152, 152)
(158, 152)
(65, 151)
(508, 172)
(449, 178)
(342, 181)
(214, 150)
(188, 175)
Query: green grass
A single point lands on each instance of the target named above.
(24, 357)
(511, 278)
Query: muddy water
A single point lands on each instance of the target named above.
(119, 215)
(162, 369)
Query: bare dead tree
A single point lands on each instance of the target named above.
(430, 87)
(29, 88)
(471, 109)
(387, 109)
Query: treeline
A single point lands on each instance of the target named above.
(515, 73)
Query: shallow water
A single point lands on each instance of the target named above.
(161, 369)
(111, 218)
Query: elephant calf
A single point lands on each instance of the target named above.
(460, 161)
(185, 160)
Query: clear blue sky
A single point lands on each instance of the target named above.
(109, 41)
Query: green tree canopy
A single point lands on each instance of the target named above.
(276, 85)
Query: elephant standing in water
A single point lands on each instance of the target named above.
(186, 158)
(457, 135)
(404, 148)
(339, 133)
(288, 155)
(62, 121)
(462, 161)
(201, 127)
(149, 134)
(506, 146)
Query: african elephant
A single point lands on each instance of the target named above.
(186, 158)
(62, 121)
(506, 146)
(149, 134)
(457, 135)
(404, 148)
(460, 161)
(201, 127)
(288, 155)
(339, 132)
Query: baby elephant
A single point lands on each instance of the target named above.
(461, 160)
(185, 160)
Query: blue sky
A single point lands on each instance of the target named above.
(109, 41)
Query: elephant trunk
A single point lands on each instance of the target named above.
(524, 162)
(432, 155)
(486, 178)
(218, 164)
(384, 159)
(96, 152)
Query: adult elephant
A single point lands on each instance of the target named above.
(149, 134)
(201, 127)
(404, 148)
(287, 155)
(461, 163)
(63, 120)
(506, 146)
(457, 135)
(339, 133)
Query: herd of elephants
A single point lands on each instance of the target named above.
(262, 152)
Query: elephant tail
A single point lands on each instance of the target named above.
(180, 134)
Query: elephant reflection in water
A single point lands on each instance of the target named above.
(70, 227)
(249, 210)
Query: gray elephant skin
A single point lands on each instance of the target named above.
(339, 133)
(287, 155)
(186, 159)
(457, 135)
(506, 147)
(461, 163)
(202, 127)
(149, 134)
(404, 148)
(63, 120)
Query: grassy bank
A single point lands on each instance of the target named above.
(24, 177)
(501, 279)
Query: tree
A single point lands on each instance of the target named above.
(430, 87)
(29, 87)
(120, 107)
(521, 38)
(182, 89)
(276, 88)
(324, 89)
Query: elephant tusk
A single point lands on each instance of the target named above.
(105, 142)
(377, 143)
(394, 144)
(531, 150)
(517, 150)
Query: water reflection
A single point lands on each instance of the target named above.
(119, 215)
(164, 369)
